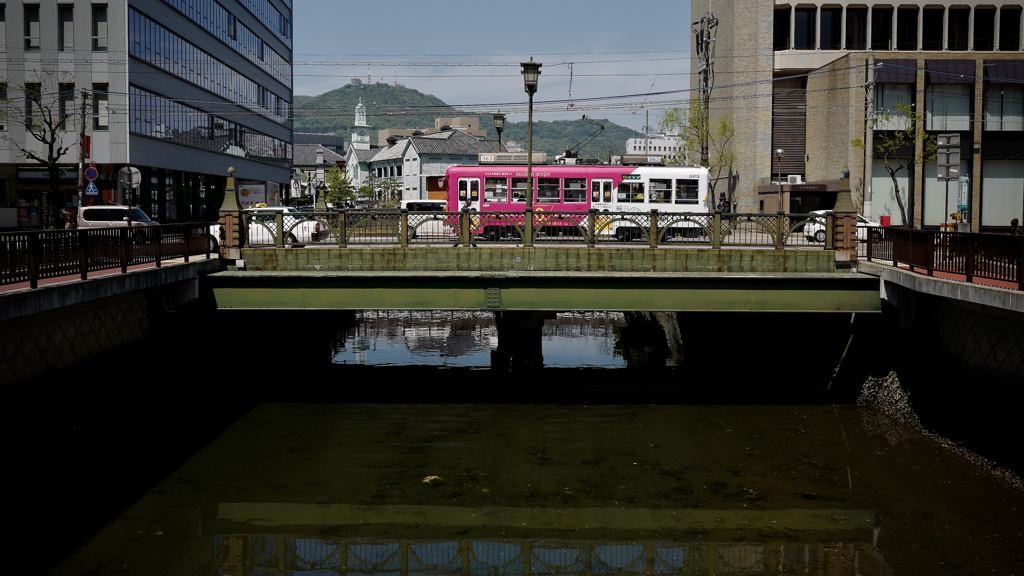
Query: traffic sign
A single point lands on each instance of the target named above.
(91, 173)
(91, 189)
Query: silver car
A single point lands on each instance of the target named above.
(112, 216)
(815, 230)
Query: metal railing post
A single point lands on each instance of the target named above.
(464, 232)
(716, 230)
(33, 259)
(279, 229)
(591, 227)
(780, 222)
(830, 231)
(186, 235)
(342, 230)
(123, 233)
(929, 252)
(403, 227)
(206, 239)
(652, 233)
(969, 265)
(83, 265)
(528, 227)
(1020, 263)
(159, 242)
(871, 237)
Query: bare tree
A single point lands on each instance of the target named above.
(897, 142)
(50, 121)
(696, 128)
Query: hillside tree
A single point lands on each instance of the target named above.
(695, 127)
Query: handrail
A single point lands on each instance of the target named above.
(32, 256)
(970, 254)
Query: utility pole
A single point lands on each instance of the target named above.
(869, 136)
(705, 30)
(81, 155)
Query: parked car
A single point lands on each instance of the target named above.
(815, 231)
(112, 216)
(299, 228)
(436, 226)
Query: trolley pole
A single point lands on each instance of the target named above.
(81, 154)
(869, 138)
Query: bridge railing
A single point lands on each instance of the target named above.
(32, 256)
(537, 227)
(972, 255)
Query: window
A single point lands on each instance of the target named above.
(33, 93)
(803, 35)
(100, 112)
(1003, 110)
(99, 28)
(686, 191)
(67, 105)
(631, 192)
(519, 190)
(3, 104)
(576, 190)
(66, 28)
(3, 27)
(661, 191)
(496, 190)
(887, 96)
(469, 188)
(947, 107)
(32, 28)
(601, 191)
(232, 28)
(548, 190)
(259, 48)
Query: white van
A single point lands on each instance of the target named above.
(112, 216)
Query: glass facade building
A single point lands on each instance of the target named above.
(181, 89)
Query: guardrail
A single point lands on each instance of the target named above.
(973, 255)
(533, 227)
(32, 256)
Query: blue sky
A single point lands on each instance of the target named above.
(616, 48)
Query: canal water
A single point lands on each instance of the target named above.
(415, 443)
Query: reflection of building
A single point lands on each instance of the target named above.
(792, 76)
(181, 90)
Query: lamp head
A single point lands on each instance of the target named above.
(531, 72)
(499, 121)
(779, 153)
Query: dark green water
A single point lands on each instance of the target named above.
(295, 468)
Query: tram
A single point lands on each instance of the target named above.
(578, 189)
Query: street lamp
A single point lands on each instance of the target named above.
(531, 71)
(499, 125)
(779, 153)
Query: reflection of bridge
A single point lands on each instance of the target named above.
(284, 555)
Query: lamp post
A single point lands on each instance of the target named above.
(531, 71)
(779, 153)
(499, 125)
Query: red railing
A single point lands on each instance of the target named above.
(31, 256)
(990, 256)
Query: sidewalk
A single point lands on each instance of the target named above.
(7, 288)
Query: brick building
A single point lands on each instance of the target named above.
(794, 75)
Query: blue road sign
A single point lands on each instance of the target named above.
(91, 189)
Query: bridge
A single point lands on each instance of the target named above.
(386, 260)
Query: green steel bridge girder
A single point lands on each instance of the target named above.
(566, 291)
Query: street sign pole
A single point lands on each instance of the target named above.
(947, 167)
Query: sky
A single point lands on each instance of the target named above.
(468, 53)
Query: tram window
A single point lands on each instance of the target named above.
(576, 190)
(661, 191)
(463, 188)
(548, 190)
(686, 191)
(595, 190)
(631, 192)
(519, 190)
(496, 190)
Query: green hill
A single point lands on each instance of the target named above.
(405, 108)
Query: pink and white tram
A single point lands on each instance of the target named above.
(557, 188)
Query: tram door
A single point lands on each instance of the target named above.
(601, 194)
(469, 188)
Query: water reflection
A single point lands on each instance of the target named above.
(470, 339)
(272, 554)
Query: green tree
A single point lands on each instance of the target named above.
(695, 127)
(338, 188)
(895, 140)
(50, 132)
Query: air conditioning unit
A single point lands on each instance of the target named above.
(794, 179)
